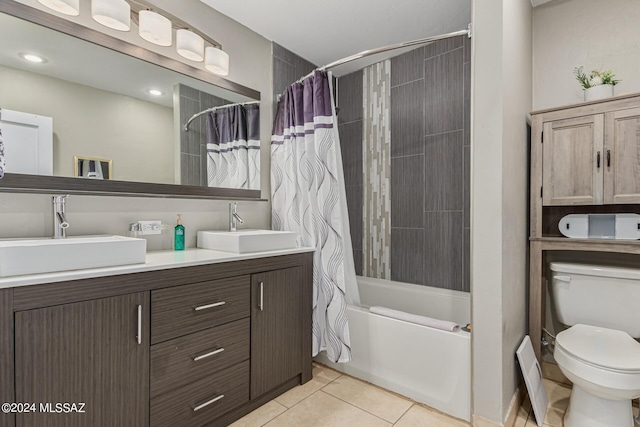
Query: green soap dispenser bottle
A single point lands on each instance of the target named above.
(178, 242)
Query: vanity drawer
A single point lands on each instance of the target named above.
(196, 404)
(183, 360)
(182, 310)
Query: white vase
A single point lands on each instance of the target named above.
(598, 92)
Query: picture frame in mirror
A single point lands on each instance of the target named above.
(92, 167)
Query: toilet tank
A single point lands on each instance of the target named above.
(597, 296)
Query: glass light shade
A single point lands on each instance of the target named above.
(155, 28)
(190, 45)
(216, 61)
(67, 7)
(114, 14)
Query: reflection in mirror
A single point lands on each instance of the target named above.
(92, 167)
(114, 106)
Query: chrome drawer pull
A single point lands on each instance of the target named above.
(204, 307)
(211, 353)
(207, 403)
(139, 335)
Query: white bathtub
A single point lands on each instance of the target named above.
(425, 364)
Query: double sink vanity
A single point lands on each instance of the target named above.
(188, 338)
(178, 338)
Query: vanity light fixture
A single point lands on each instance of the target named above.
(31, 57)
(155, 28)
(190, 45)
(66, 7)
(114, 14)
(155, 92)
(216, 61)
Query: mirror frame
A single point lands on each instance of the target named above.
(23, 183)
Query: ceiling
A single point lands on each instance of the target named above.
(327, 30)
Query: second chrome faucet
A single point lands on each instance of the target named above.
(60, 223)
(234, 217)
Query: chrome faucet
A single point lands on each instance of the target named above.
(60, 223)
(234, 217)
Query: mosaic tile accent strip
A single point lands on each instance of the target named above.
(376, 152)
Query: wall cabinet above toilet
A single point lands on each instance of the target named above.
(592, 159)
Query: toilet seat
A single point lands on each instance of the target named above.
(603, 348)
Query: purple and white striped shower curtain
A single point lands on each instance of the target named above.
(233, 147)
(308, 197)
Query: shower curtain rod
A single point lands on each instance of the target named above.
(195, 116)
(370, 52)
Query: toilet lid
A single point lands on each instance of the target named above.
(606, 348)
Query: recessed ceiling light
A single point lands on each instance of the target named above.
(33, 58)
(155, 92)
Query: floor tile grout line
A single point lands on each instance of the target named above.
(294, 405)
(405, 413)
(357, 407)
(377, 387)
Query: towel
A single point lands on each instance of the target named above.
(3, 163)
(414, 318)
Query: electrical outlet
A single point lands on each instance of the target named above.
(150, 227)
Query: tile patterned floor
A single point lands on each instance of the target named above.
(332, 399)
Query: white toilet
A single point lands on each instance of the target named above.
(598, 353)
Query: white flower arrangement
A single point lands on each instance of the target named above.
(596, 78)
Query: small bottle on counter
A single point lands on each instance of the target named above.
(178, 242)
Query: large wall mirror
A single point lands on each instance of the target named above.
(93, 98)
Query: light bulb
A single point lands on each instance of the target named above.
(155, 28)
(190, 45)
(114, 14)
(216, 61)
(67, 7)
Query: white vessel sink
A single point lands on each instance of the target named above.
(243, 241)
(33, 256)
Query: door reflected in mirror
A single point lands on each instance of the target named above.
(92, 167)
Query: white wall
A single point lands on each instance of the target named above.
(137, 135)
(594, 33)
(251, 66)
(501, 78)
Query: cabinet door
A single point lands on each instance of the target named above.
(622, 157)
(276, 328)
(85, 352)
(572, 162)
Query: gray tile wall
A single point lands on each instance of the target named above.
(287, 68)
(430, 123)
(430, 155)
(193, 144)
(350, 101)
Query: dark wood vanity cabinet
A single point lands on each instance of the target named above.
(276, 330)
(94, 354)
(190, 346)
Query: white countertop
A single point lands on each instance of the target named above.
(158, 260)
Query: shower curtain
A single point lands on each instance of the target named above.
(233, 147)
(308, 197)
